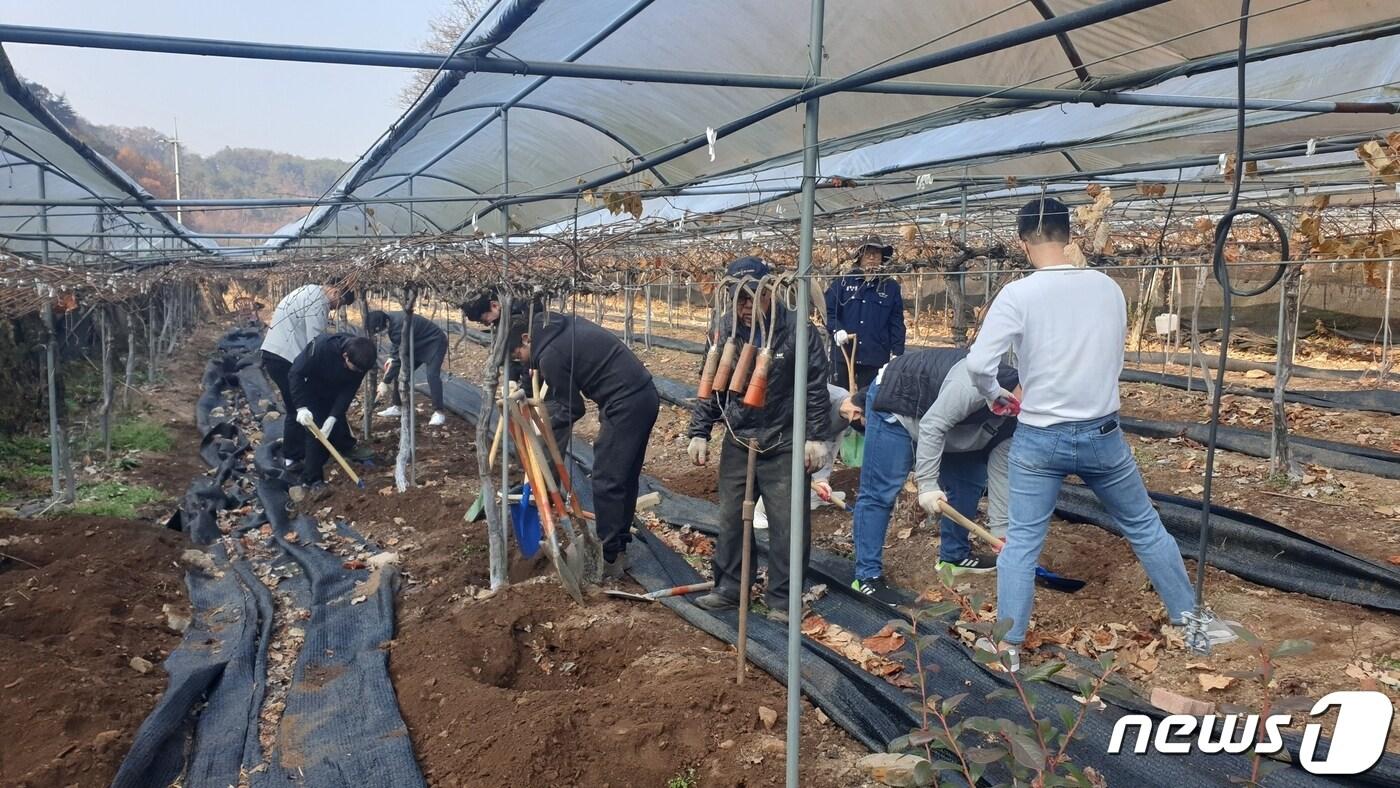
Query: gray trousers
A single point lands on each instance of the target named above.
(772, 481)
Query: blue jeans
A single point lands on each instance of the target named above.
(889, 456)
(1095, 450)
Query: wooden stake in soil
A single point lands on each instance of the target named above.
(746, 561)
(130, 357)
(106, 331)
(1280, 460)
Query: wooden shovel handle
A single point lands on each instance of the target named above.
(972, 527)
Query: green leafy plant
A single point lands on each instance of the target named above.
(114, 499)
(685, 778)
(1033, 750)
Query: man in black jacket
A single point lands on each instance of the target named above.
(323, 381)
(429, 351)
(484, 308)
(770, 427)
(581, 359)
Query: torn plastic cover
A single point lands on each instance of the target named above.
(340, 725)
(875, 711)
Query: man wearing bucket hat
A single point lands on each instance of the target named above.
(867, 307)
(768, 426)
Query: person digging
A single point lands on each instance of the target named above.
(1067, 326)
(578, 359)
(429, 351)
(923, 405)
(323, 380)
(767, 428)
(299, 318)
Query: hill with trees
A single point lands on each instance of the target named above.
(145, 155)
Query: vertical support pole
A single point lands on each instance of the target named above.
(130, 373)
(628, 334)
(372, 379)
(411, 398)
(402, 477)
(671, 299)
(798, 502)
(1385, 321)
(1280, 459)
(55, 430)
(151, 336)
(498, 537)
(646, 327)
(918, 300)
(104, 325)
(496, 522)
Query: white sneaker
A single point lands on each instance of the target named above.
(1218, 631)
(1008, 658)
(437, 420)
(389, 412)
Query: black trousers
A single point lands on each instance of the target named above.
(772, 482)
(623, 429)
(430, 357)
(293, 434)
(864, 373)
(316, 456)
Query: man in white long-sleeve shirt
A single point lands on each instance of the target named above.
(1067, 327)
(299, 318)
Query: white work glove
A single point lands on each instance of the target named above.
(699, 451)
(814, 455)
(304, 417)
(930, 500)
(841, 337)
(328, 426)
(382, 391)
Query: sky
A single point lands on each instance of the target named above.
(307, 109)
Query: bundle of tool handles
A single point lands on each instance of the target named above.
(741, 367)
(545, 470)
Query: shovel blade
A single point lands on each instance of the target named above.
(1067, 585)
(568, 573)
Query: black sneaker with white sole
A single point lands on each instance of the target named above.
(876, 588)
(974, 564)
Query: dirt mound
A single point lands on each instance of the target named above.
(80, 597)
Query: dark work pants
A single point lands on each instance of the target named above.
(865, 373)
(773, 482)
(313, 469)
(293, 434)
(623, 429)
(430, 357)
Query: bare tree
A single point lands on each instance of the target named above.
(444, 31)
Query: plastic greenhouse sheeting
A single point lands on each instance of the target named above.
(450, 143)
(33, 140)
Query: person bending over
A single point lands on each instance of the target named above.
(429, 350)
(324, 379)
(923, 405)
(579, 359)
(299, 318)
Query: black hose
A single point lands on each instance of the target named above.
(1221, 271)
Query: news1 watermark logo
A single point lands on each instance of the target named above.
(1358, 740)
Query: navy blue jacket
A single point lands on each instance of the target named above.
(872, 308)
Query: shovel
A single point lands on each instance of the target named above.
(592, 553)
(531, 460)
(653, 596)
(345, 466)
(1046, 578)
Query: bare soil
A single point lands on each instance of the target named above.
(524, 687)
(79, 598)
(1352, 647)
